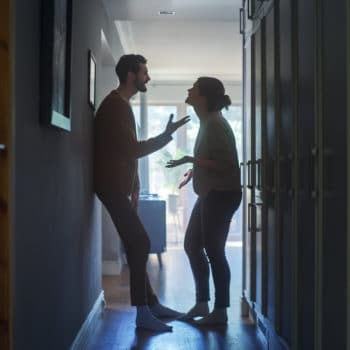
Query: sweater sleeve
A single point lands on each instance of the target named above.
(135, 149)
(144, 148)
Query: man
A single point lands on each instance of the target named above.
(117, 185)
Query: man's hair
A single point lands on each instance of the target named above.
(128, 63)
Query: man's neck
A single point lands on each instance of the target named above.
(126, 92)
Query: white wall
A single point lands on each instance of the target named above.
(107, 82)
(176, 92)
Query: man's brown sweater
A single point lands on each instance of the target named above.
(116, 147)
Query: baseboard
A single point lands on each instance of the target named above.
(89, 326)
(266, 332)
(111, 267)
(244, 307)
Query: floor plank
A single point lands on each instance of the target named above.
(175, 288)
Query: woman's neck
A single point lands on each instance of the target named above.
(204, 114)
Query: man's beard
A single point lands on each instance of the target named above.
(140, 86)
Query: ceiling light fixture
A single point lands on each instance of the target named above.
(166, 13)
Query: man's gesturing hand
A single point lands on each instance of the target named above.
(172, 127)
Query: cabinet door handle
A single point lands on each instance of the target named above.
(250, 206)
(250, 14)
(241, 169)
(314, 154)
(258, 220)
(259, 174)
(249, 169)
(241, 22)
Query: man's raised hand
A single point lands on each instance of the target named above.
(171, 127)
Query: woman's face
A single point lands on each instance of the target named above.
(193, 97)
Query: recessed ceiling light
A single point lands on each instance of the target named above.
(166, 13)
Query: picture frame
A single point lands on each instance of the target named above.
(91, 80)
(55, 63)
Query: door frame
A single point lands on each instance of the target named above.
(6, 163)
(348, 170)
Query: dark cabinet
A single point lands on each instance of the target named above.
(286, 160)
(306, 159)
(257, 165)
(296, 111)
(270, 174)
(332, 106)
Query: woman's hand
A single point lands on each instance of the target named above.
(175, 162)
(187, 178)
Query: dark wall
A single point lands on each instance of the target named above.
(57, 230)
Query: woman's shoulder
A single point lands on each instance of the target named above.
(218, 124)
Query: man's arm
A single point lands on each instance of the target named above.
(144, 148)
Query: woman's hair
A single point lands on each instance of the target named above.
(214, 91)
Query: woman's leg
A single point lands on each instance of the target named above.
(199, 264)
(217, 211)
(194, 249)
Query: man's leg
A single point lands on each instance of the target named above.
(137, 245)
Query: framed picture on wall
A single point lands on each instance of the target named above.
(92, 80)
(55, 63)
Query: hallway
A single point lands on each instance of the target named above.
(174, 286)
(287, 65)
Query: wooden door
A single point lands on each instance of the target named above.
(5, 176)
(249, 252)
(270, 183)
(286, 159)
(332, 174)
(306, 159)
(258, 134)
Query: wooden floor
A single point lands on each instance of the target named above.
(174, 285)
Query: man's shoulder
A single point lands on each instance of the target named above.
(113, 103)
(112, 98)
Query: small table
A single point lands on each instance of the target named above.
(152, 212)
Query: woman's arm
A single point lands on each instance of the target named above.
(210, 164)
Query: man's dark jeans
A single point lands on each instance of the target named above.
(136, 244)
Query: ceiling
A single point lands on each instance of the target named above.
(202, 38)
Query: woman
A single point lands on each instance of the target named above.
(216, 181)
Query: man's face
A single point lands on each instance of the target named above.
(142, 78)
